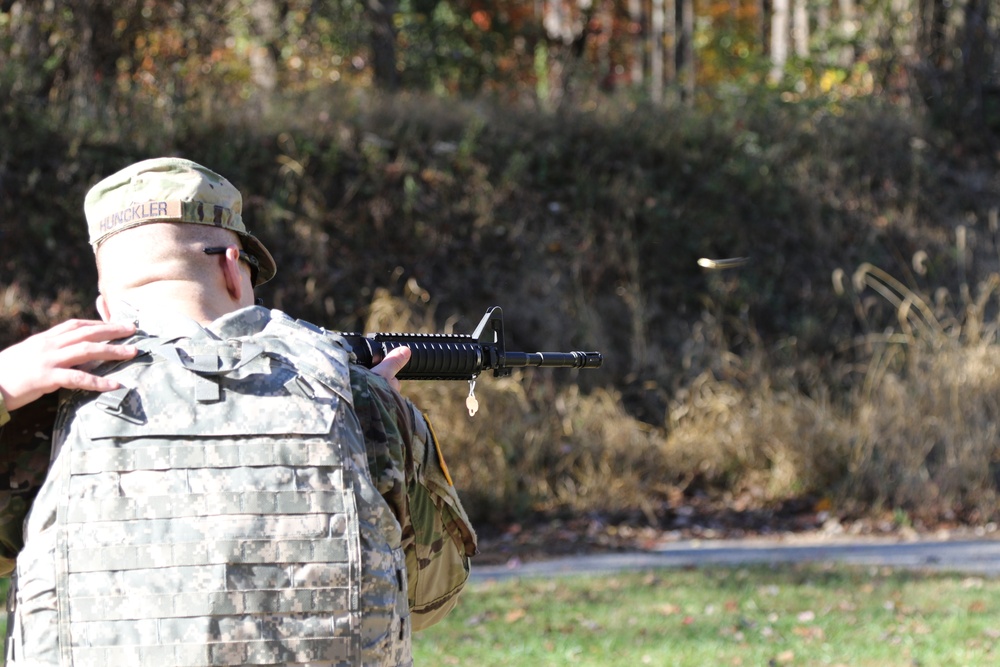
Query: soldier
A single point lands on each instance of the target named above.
(219, 485)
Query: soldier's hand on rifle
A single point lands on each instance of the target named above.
(392, 364)
(46, 361)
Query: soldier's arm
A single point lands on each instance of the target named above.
(409, 471)
(25, 446)
(443, 537)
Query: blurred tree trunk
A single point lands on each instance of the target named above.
(29, 50)
(848, 31)
(800, 29)
(978, 58)
(266, 17)
(382, 36)
(931, 61)
(779, 38)
(656, 51)
(567, 27)
(637, 29)
(933, 30)
(604, 19)
(686, 73)
(764, 24)
(670, 37)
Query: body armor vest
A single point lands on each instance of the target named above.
(215, 510)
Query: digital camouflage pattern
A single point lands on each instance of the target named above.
(25, 444)
(409, 470)
(207, 517)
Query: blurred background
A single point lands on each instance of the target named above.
(412, 162)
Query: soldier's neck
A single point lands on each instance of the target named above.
(187, 299)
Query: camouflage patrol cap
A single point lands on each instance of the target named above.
(170, 190)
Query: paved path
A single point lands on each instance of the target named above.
(981, 556)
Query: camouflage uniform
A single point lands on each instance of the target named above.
(180, 535)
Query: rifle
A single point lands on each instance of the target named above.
(462, 356)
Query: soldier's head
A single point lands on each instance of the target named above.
(171, 226)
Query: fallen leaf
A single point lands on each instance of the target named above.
(809, 632)
(515, 615)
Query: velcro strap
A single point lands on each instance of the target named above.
(299, 386)
(111, 401)
(206, 390)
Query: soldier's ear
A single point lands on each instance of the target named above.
(102, 308)
(233, 273)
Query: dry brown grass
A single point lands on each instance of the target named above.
(775, 443)
(925, 431)
(512, 457)
(917, 434)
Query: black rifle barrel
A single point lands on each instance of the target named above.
(553, 359)
(434, 357)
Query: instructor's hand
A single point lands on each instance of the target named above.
(46, 361)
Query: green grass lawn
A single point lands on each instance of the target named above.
(761, 616)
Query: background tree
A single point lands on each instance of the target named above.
(381, 16)
(89, 58)
(685, 53)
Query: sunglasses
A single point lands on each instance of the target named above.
(245, 256)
